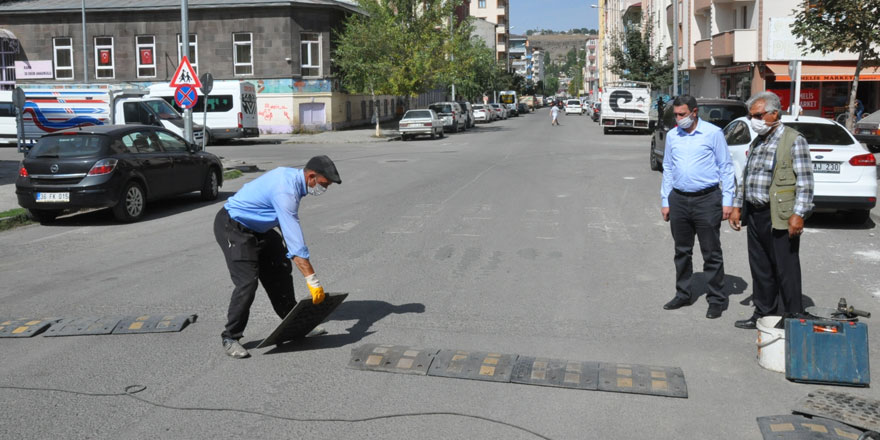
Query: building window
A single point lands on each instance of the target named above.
(8, 49)
(193, 51)
(243, 52)
(481, 4)
(104, 58)
(63, 50)
(310, 54)
(145, 46)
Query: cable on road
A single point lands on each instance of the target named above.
(132, 391)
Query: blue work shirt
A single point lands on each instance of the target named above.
(272, 200)
(696, 161)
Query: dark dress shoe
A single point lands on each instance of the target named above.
(676, 303)
(748, 324)
(714, 311)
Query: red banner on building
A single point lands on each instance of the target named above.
(809, 98)
(104, 57)
(146, 56)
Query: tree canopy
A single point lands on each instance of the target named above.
(633, 58)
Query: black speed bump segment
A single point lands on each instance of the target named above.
(477, 365)
(794, 427)
(642, 379)
(392, 358)
(302, 319)
(556, 373)
(23, 328)
(861, 412)
(153, 323)
(83, 326)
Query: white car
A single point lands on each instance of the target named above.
(573, 106)
(482, 113)
(844, 172)
(420, 122)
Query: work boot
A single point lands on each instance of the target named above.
(234, 349)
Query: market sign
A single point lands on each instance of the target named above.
(34, 69)
(809, 98)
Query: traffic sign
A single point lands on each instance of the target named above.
(185, 75)
(207, 83)
(185, 96)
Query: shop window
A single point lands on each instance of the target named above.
(104, 58)
(145, 46)
(243, 51)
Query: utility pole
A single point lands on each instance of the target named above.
(674, 47)
(85, 46)
(184, 50)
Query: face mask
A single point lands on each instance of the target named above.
(317, 190)
(685, 123)
(760, 126)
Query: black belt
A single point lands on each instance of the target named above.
(237, 225)
(701, 192)
(758, 208)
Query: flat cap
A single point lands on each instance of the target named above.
(325, 167)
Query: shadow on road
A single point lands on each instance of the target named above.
(837, 220)
(733, 285)
(366, 312)
(8, 171)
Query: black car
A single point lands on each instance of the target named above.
(719, 112)
(116, 166)
(522, 108)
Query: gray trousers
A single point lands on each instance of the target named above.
(698, 216)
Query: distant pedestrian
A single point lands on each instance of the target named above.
(774, 197)
(696, 195)
(554, 115)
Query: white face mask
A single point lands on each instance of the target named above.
(685, 123)
(317, 190)
(761, 127)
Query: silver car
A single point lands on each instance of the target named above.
(422, 121)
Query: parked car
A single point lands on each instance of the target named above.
(117, 166)
(8, 130)
(844, 172)
(450, 112)
(468, 110)
(597, 108)
(501, 110)
(522, 108)
(482, 113)
(423, 121)
(573, 106)
(867, 130)
(719, 112)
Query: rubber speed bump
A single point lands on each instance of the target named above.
(477, 365)
(23, 328)
(556, 373)
(793, 427)
(392, 358)
(304, 317)
(848, 408)
(642, 379)
(153, 323)
(83, 326)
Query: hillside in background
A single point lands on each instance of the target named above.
(559, 45)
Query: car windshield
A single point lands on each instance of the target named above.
(479, 107)
(69, 146)
(822, 134)
(412, 114)
(721, 114)
(441, 108)
(574, 102)
(162, 108)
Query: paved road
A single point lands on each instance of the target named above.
(516, 237)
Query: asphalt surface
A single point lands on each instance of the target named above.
(515, 237)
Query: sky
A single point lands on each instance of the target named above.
(559, 15)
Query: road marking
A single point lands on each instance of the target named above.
(49, 237)
(466, 235)
(341, 228)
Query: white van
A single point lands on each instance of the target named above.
(8, 132)
(232, 109)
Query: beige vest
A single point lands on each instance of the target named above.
(783, 189)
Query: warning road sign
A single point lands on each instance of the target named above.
(185, 96)
(185, 75)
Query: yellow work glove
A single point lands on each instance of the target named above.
(315, 288)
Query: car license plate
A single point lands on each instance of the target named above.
(826, 167)
(625, 124)
(53, 197)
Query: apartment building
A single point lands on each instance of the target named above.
(519, 55)
(496, 12)
(590, 71)
(736, 48)
(537, 65)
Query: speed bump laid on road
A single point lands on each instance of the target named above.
(556, 373)
(477, 365)
(24, 328)
(858, 411)
(153, 323)
(392, 358)
(642, 379)
(793, 427)
(83, 326)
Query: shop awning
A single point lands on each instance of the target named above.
(825, 72)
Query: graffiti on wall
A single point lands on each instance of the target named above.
(294, 86)
(269, 111)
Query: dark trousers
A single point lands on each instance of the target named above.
(775, 266)
(251, 257)
(700, 216)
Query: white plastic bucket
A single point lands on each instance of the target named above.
(771, 344)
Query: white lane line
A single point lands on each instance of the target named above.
(49, 237)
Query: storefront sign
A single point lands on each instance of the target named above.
(732, 69)
(33, 69)
(809, 98)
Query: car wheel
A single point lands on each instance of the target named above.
(211, 187)
(441, 134)
(403, 137)
(132, 203)
(43, 216)
(455, 128)
(655, 164)
(433, 135)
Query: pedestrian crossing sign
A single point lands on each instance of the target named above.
(185, 75)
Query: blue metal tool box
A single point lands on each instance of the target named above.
(829, 352)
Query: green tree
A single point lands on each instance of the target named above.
(633, 58)
(826, 26)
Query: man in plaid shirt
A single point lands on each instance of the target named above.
(774, 198)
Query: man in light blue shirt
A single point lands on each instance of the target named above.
(696, 195)
(254, 251)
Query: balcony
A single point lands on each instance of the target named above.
(702, 6)
(703, 51)
(500, 47)
(739, 45)
(501, 29)
(501, 10)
